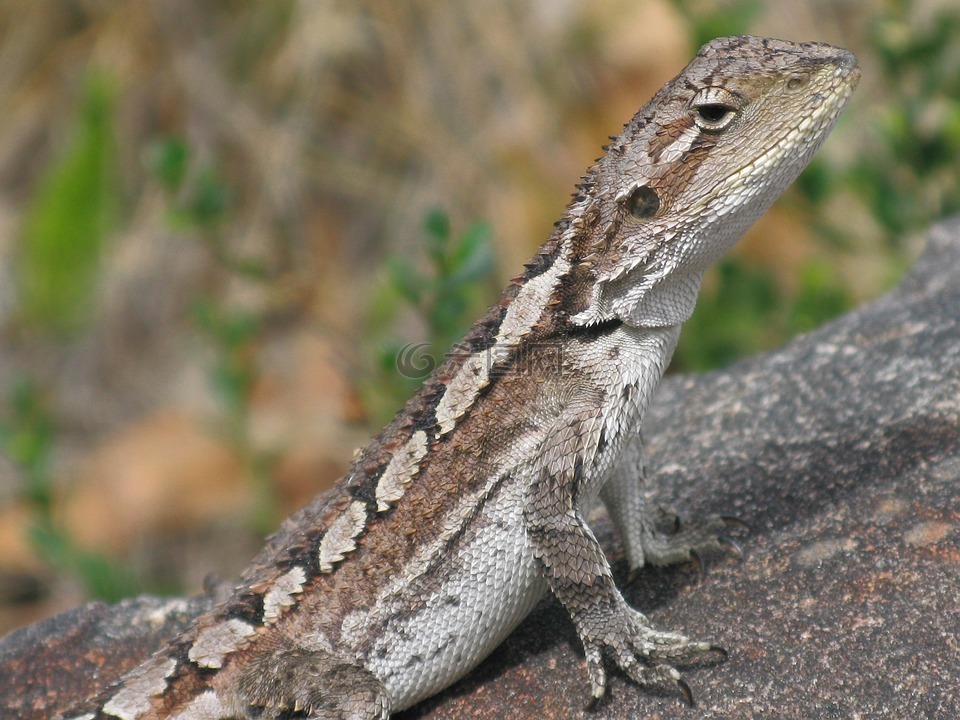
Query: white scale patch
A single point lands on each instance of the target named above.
(133, 699)
(676, 150)
(280, 596)
(341, 537)
(213, 644)
(526, 309)
(463, 388)
(206, 706)
(521, 315)
(400, 471)
(162, 614)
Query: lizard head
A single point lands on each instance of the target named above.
(698, 165)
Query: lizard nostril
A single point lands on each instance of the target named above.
(797, 81)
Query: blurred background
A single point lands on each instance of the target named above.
(221, 222)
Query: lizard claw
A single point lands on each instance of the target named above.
(733, 521)
(700, 566)
(686, 692)
(721, 651)
(597, 675)
(732, 545)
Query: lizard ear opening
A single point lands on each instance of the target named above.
(642, 202)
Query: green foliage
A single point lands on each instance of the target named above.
(446, 298)
(460, 266)
(200, 202)
(729, 317)
(712, 20)
(743, 311)
(199, 197)
(235, 336)
(167, 160)
(821, 296)
(68, 217)
(199, 207)
(910, 179)
(206, 206)
(27, 439)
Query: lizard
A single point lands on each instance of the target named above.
(469, 507)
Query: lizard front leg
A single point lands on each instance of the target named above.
(639, 524)
(577, 571)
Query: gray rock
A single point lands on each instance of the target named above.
(52, 664)
(841, 450)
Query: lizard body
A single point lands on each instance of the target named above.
(457, 519)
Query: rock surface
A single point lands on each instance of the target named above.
(52, 664)
(841, 450)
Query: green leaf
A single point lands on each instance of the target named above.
(720, 19)
(472, 259)
(405, 281)
(437, 225)
(207, 204)
(168, 160)
(68, 217)
(821, 297)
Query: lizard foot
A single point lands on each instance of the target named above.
(642, 652)
(687, 543)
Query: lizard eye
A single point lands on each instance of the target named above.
(713, 117)
(643, 202)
